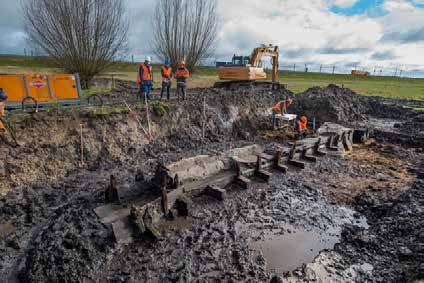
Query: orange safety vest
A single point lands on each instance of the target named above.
(277, 108)
(166, 73)
(146, 73)
(303, 125)
(182, 73)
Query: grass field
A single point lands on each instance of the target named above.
(205, 76)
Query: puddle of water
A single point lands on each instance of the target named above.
(289, 251)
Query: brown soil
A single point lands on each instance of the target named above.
(383, 171)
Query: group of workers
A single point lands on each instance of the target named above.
(280, 109)
(145, 79)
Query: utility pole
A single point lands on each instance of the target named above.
(375, 68)
(306, 68)
(320, 68)
(294, 67)
(396, 71)
(132, 58)
(334, 69)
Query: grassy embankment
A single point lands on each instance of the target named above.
(205, 76)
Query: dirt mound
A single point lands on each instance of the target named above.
(72, 243)
(331, 104)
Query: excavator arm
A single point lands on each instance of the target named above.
(254, 71)
(266, 50)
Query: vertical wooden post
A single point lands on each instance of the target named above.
(259, 163)
(277, 158)
(293, 151)
(165, 205)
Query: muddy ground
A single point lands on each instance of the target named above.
(351, 217)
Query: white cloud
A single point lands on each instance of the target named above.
(344, 3)
(307, 31)
(397, 5)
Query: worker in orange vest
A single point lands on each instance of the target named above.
(181, 75)
(166, 72)
(281, 106)
(302, 126)
(145, 78)
(3, 98)
(279, 109)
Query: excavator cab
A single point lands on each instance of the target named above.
(240, 60)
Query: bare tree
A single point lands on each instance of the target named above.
(82, 36)
(185, 29)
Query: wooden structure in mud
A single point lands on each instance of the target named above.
(172, 183)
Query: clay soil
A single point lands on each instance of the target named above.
(351, 217)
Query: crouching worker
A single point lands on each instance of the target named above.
(181, 75)
(302, 126)
(166, 78)
(279, 109)
(3, 98)
(145, 79)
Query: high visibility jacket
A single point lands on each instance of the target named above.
(277, 108)
(182, 74)
(2, 106)
(145, 73)
(166, 73)
(302, 125)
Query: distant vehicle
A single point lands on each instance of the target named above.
(360, 73)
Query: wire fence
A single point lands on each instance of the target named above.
(394, 71)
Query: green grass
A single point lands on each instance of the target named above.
(206, 76)
(108, 110)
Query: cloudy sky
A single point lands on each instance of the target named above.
(366, 34)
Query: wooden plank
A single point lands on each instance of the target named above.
(297, 163)
(264, 175)
(244, 182)
(122, 231)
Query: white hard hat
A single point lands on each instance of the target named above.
(148, 59)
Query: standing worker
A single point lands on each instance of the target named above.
(3, 98)
(145, 78)
(181, 75)
(166, 72)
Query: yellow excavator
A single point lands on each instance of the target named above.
(251, 71)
